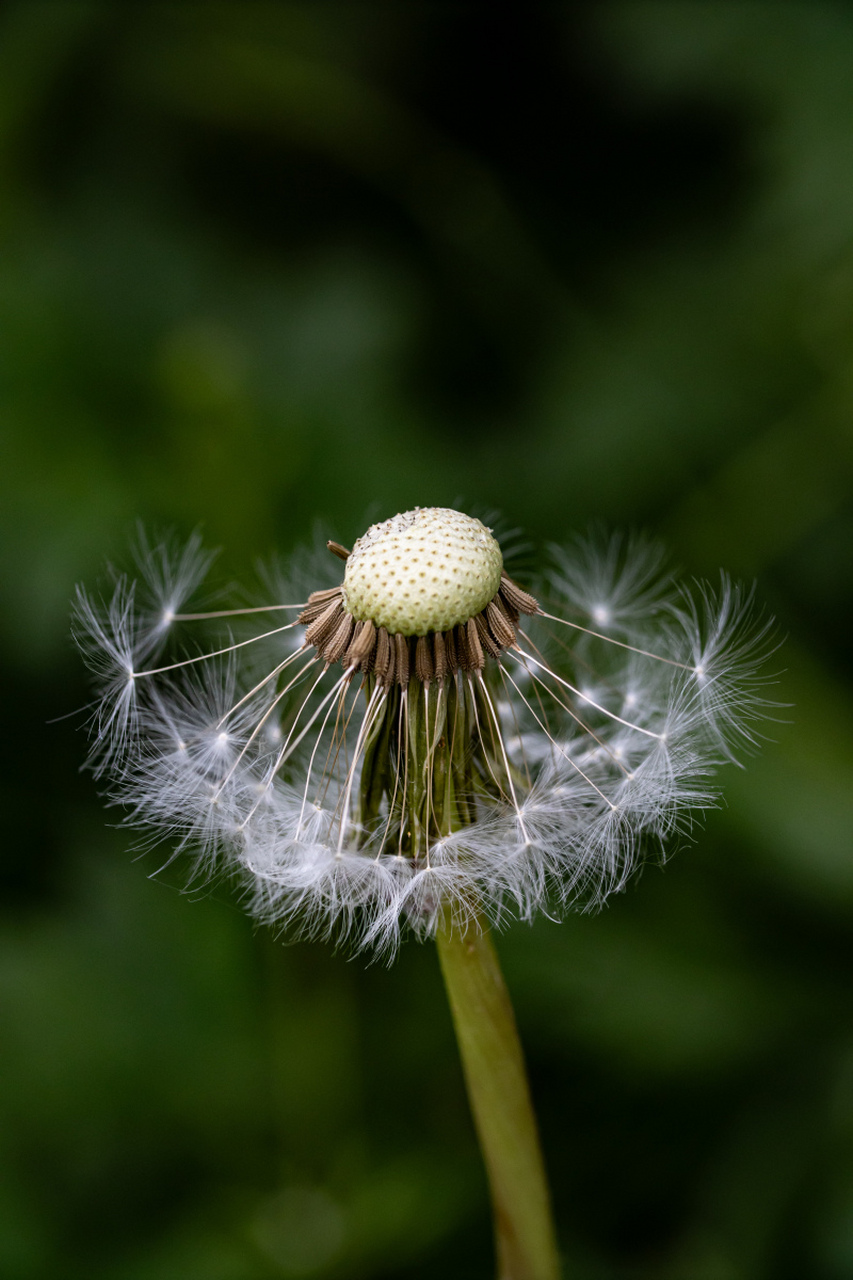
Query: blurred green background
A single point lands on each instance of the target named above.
(264, 264)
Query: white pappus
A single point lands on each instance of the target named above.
(424, 740)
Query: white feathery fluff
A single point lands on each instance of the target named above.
(224, 734)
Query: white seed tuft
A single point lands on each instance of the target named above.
(571, 751)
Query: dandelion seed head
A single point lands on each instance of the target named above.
(421, 741)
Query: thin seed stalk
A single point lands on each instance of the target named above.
(421, 767)
(496, 1079)
(431, 753)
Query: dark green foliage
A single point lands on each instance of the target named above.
(268, 264)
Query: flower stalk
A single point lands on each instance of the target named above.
(496, 1080)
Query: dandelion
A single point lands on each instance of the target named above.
(424, 737)
(425, 744)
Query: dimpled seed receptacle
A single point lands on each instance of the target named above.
(425, 570)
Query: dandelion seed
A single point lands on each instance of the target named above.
(424, 739)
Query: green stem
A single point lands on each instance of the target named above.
(500, 1100)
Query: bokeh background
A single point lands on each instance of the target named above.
(269, 264)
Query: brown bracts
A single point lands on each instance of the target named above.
(395, 658)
